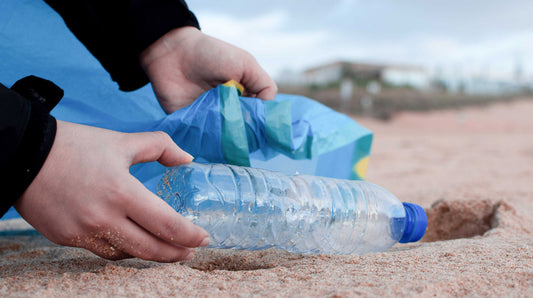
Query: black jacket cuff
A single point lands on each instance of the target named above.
(27, 132)
(34, 148)
(116, 32)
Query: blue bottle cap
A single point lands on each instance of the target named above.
(416, 223)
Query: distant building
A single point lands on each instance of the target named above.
(398, 75)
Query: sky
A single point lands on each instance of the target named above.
(490, 39)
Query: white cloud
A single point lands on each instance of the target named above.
(496, 55)
(266, 37)
(274, 38)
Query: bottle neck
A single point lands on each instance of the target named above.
(415, 223)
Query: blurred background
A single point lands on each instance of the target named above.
(379, 57)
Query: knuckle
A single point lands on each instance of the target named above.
(275, 88)
(175, 232)
(162, 136)
(91, 223)
(180, 234)
(91, 220)
(117, 192)
(158, 251)
(147, 252)
(124, 139)
(119, 199)
(247, 55)
(168, 229)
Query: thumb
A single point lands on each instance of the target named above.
(155, 146)
(257, 82)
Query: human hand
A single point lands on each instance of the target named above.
(84, 196)
(184, 63)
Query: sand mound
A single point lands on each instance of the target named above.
(468, 218)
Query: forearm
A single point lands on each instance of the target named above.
(116, 32)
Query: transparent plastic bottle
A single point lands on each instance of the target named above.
(247, 208)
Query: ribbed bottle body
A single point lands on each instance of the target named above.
(247, 208)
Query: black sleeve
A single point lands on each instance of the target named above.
(117, 31)
(27, 132)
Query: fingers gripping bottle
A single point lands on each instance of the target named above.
(247, 208)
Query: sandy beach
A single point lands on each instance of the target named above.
(471, 169)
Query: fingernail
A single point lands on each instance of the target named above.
(205, 242)
(190, 256)
(186, 153)
(190, 156)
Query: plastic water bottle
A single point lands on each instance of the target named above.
(247, 208)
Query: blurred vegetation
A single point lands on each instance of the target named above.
(393, 99)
